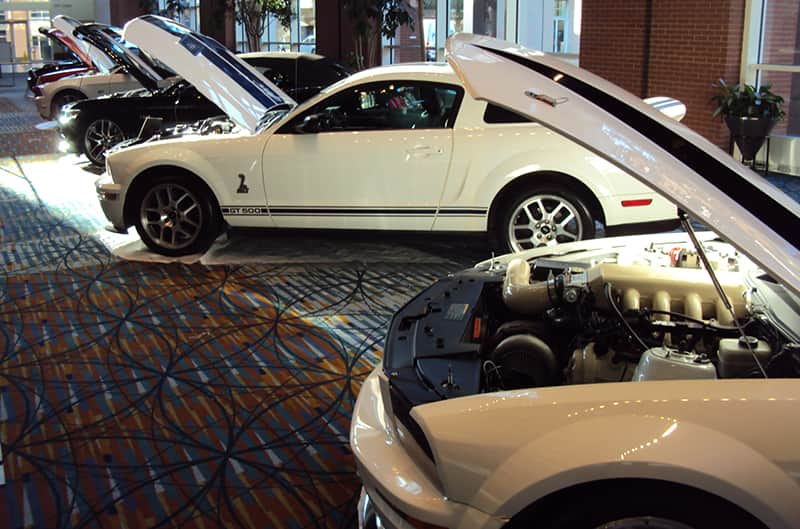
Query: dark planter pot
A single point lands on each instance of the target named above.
(749, 133)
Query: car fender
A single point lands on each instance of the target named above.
(483, 177)
(51, 90)
(222, 162)
(500, 452)
(705, 463)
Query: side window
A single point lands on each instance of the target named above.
(494, 114)
(387, 106)
(318, 73)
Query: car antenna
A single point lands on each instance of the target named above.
(743, 338)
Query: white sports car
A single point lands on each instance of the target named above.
(634, 382)
(392, 148)
(114, 71)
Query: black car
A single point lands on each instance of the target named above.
(92, 126)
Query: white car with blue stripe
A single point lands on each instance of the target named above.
(400, 147)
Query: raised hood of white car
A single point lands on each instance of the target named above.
(227, 81)
(97, 57)
(740, 205)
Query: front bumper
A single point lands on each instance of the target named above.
(112, 200)
(396, 489)
(70, 140)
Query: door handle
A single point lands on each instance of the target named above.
(424, 151)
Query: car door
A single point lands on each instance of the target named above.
(370, 156)
(118, 81)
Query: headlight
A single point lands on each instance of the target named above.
(67, 115)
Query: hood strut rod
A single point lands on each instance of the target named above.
(687, 225)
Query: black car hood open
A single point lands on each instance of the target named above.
(99, 36)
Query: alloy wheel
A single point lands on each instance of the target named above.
(171, 215)
(100, 136)
(544, 219)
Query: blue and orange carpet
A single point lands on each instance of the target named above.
(142, 395)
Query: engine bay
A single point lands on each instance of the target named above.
(603, 316)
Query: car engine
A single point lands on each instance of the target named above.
(619, 315)
(651, 315)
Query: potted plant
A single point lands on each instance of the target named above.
(749, 112)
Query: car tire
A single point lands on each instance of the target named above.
(176, 215)
(542, 215)
(98, 137)
(62, 99)
(637, 504)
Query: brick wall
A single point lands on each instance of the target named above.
(613, 41)
(680, 53)
(406, 44)
(123, 10)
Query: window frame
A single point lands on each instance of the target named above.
(290, 127)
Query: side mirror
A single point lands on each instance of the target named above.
(312, 124)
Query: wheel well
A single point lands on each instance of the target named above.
(626, 490)
(143, 179)
(67, 91)
(508, 192)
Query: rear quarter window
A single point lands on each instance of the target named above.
(495, 114)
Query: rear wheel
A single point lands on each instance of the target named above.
(543, 216)
(176, 216)
(99, 136)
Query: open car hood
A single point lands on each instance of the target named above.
(227, 81)
(96, 57)
(100, 36)
(738, 204)
(70, 43)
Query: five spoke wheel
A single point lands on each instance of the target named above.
(171, 215)
(176, 214)
(101, 135)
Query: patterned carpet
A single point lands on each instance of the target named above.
(170, 395)
(18, 120)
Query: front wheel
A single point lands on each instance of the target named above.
(635, 504)
(99, 136)
(176, 216)
(62, 100)
(543, 216)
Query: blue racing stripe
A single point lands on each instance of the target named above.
(220, 57)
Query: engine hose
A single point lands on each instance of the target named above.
(613, 303)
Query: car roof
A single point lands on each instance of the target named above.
(424, 71)
(278, 55)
